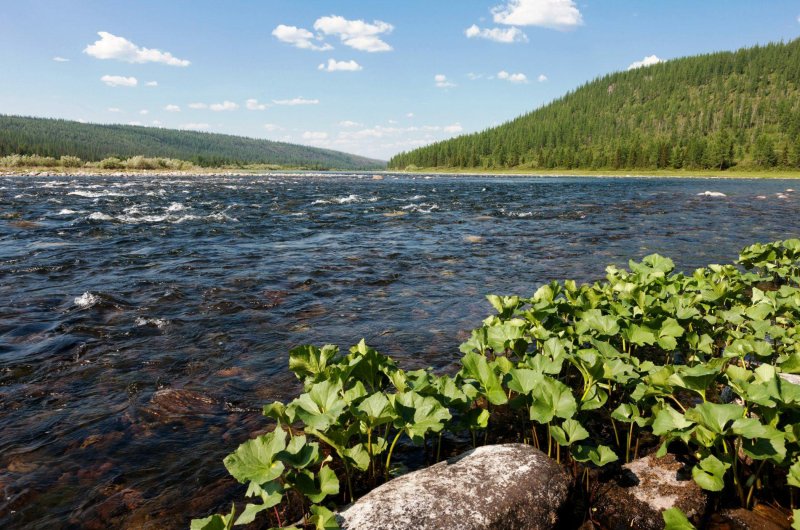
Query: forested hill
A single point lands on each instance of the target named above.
(711, 111)
(91, 142)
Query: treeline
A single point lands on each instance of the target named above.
(50, 138)
(711, 111)
(66, 161)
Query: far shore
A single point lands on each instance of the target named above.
(234, 172)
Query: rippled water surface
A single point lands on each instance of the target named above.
(143, 321)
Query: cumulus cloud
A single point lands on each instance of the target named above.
(121, 49)
(340, 66)
(356, 34)
(135, 123)
(144, 112)
(225, 105)
(506, 36)
(118, 80)
(195, 126)
(172, 108)
(441, 81)
(198, 106)
(151, 83)
(554, 14)
(473, 76)
(299, 38)
(542, 78)
(453, 129)
(296, 101)
(253, 104)
(59, 59)
(114, 109)
(410, 115)
(512, 78)
(647, 61)
(349, 123)
(272, 127)
(315, 135)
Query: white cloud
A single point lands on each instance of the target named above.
(272, 127)
(197, 106)
(554, 14)
(349, 124)
(59, 59)
(195, 126)
(112, 47)
(340, 66)
(144, 112)
(357, 34)
(157, 123)
(473, 76)
(442, 82)
(542, 78)
(647, 61)
(114, 109)
(225, 105)
(296, 101)
(118, 80)
(135, 123)
(315, 135)
(506, 36)
(410, 115)
(453, 129)
(299, 38)
(253, 104)
(512, 78)
(151, 83)
(172, 108)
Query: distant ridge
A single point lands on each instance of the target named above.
(710, 111)
(92, 142)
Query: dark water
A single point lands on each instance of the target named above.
(114, 288)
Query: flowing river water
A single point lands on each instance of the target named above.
(145, 320)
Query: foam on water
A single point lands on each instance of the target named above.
(86, 300)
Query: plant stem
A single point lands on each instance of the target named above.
(756, 480)
(535, 436)
(628, 446)
(439, 447)
(349, 481)
(549, 440)
(616, 434)
(391, 450)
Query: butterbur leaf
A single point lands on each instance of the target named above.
(476, 367)
(709, 473)
(215, 522)
(418, 415)
(795, 519)
(599, 456)
(255, 460)
(675, 519)
(299, 453)
(552, 398)
(358, 455)
(640, 335)
(574, 431)
(322, 518)
(321, 406)
(793, 479)
(271, 495)
(669, 420)
(625, 412)
(279, 412)
(696, 378)
(310, 361)
(715, 417)
(317, 487)
(375, 410)
(523, 380)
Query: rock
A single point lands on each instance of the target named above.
(499, 487)
(647, 487)
(174, 403)
(762, 517)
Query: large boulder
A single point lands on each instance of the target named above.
(498, 487)
(645, 488)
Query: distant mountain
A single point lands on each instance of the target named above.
(92, 142)
(709, 111)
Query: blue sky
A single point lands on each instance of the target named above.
(372, 78)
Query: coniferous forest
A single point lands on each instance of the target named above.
(93, 142)
(717, 111)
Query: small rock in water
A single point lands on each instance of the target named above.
(173, 403)
(498, 487)
(473, 239)
(712, 194)
(377, 177)
(646, 488)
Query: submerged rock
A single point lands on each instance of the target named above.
(646, 488)
(499, 487)
(173, 403)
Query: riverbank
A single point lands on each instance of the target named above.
(673, 173)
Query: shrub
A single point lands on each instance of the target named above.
(111, 163)
(70, 161)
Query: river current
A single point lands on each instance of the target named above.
(145, 320)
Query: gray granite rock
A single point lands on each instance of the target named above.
(498, 487)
